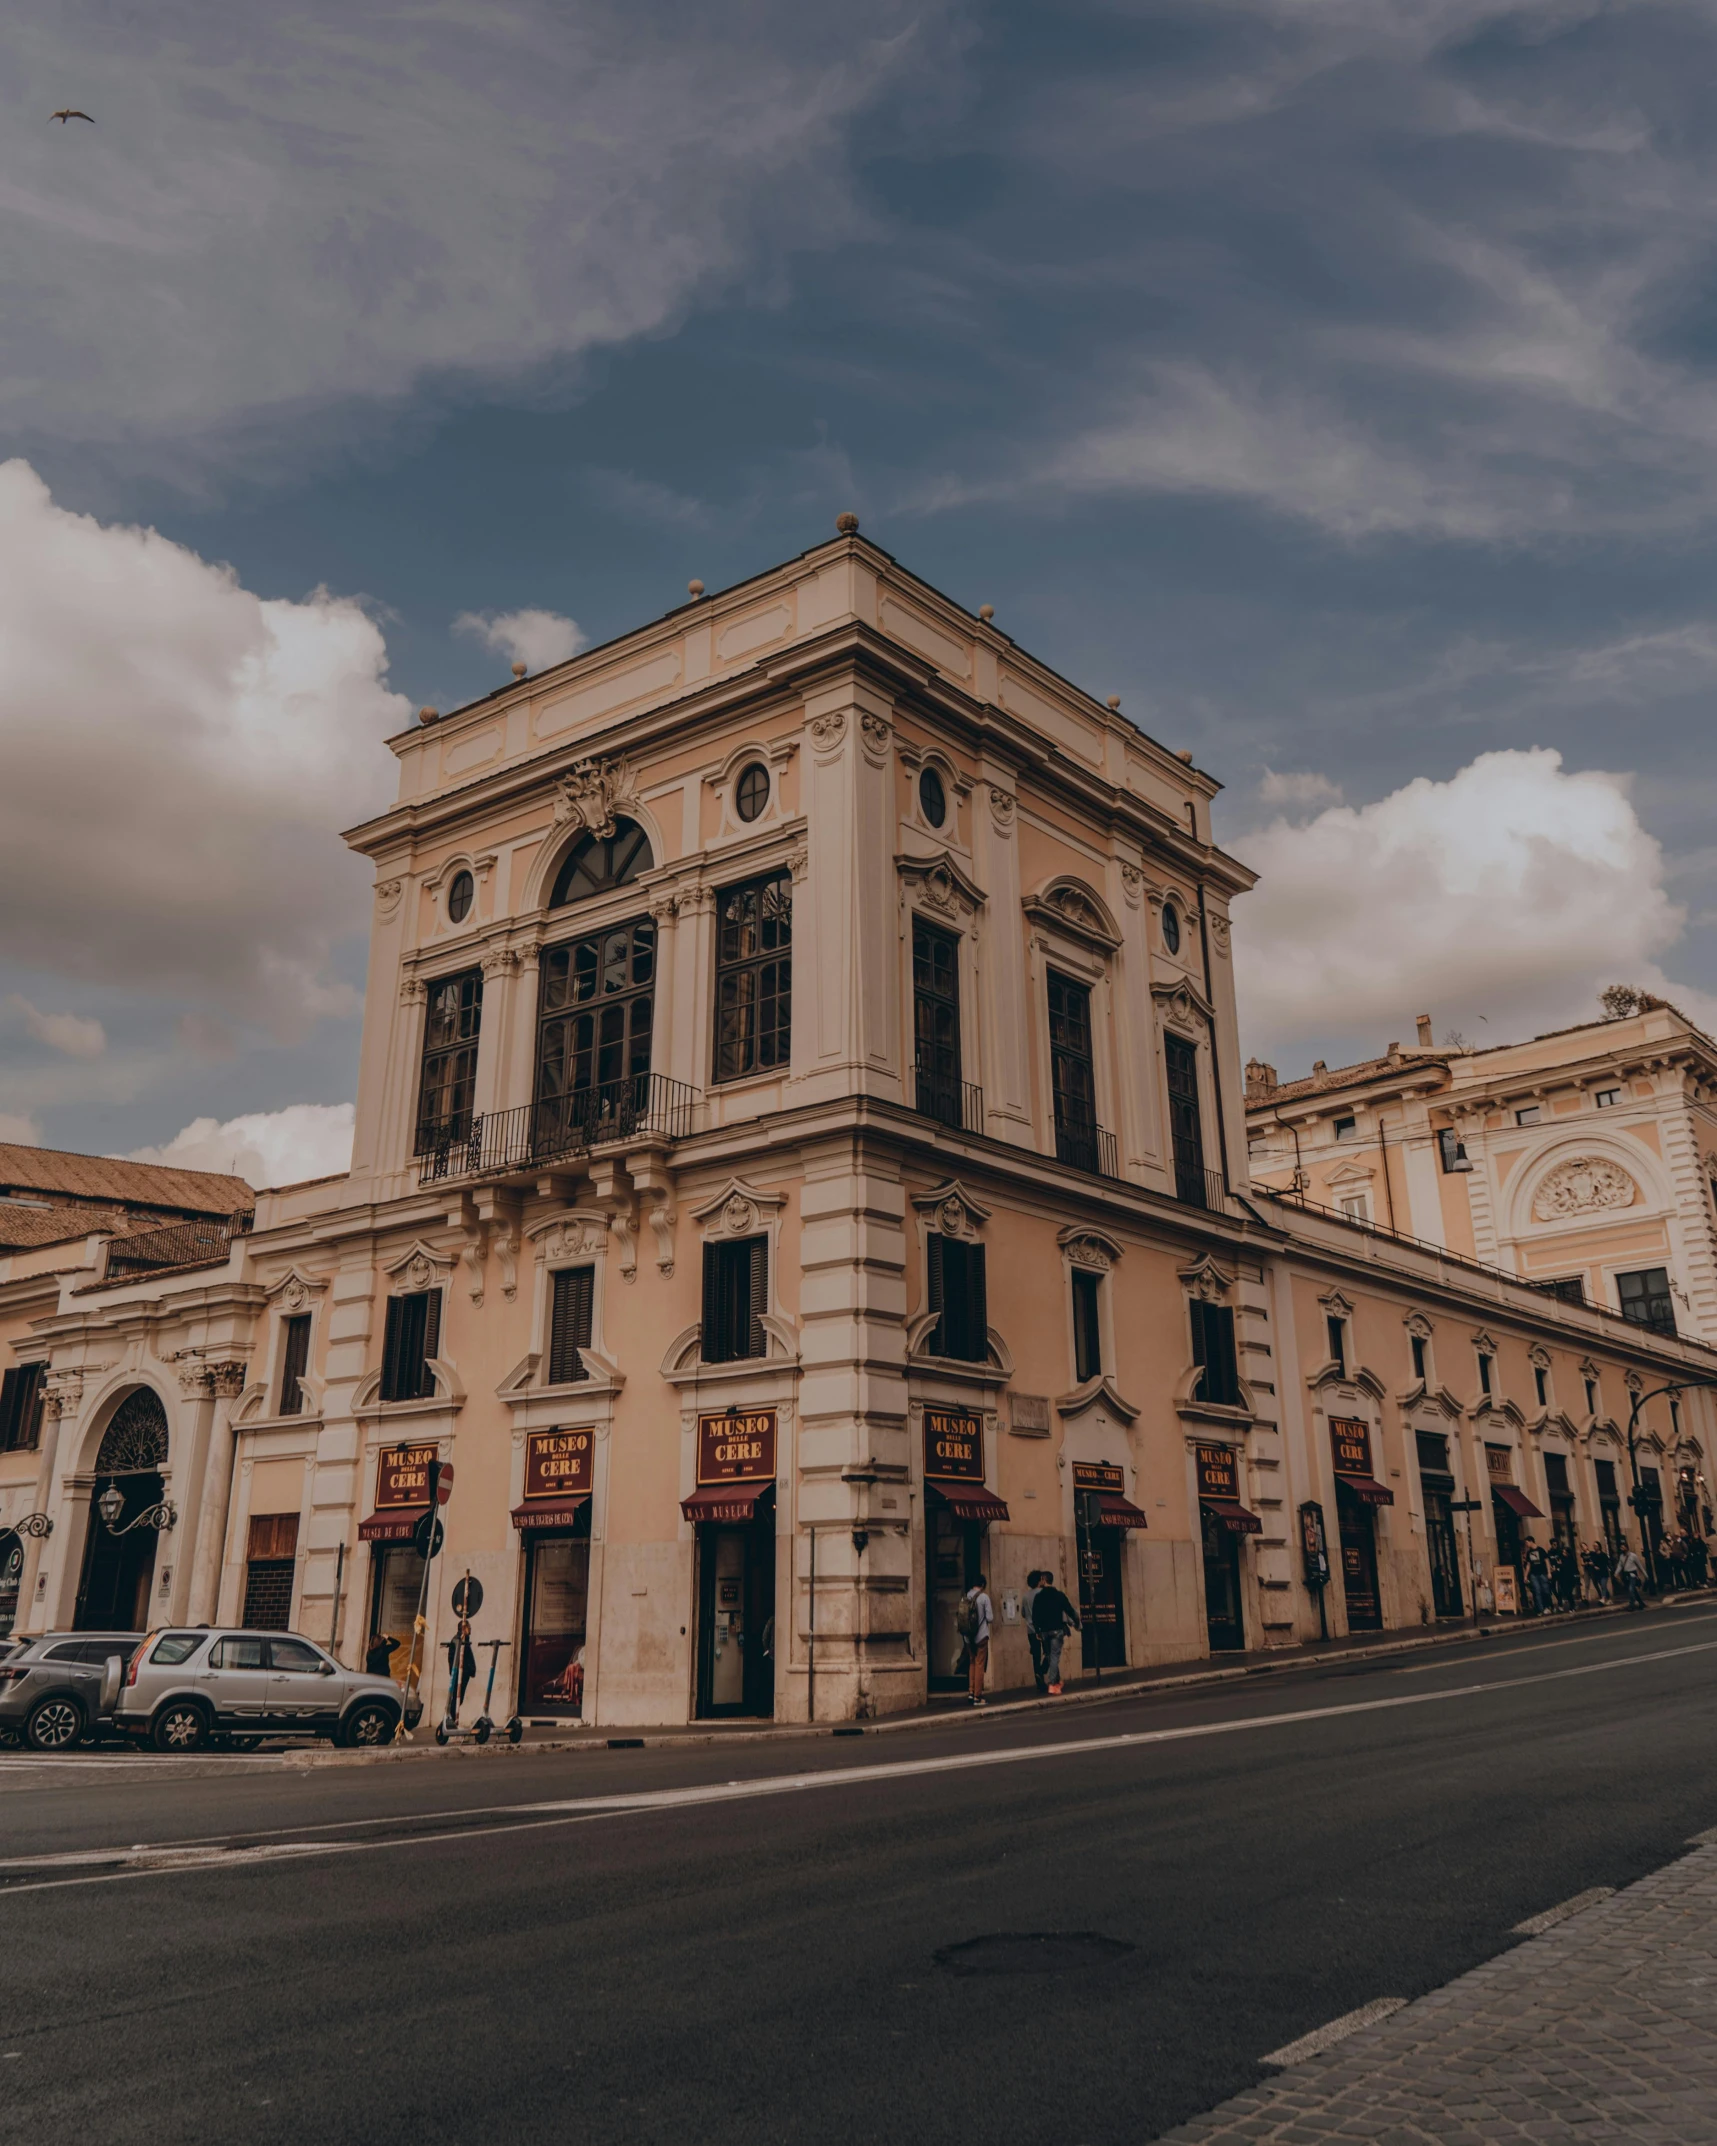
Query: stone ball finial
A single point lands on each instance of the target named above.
(986, 612)
(1185, 754)
(847, 524)
(694, 588)
(429, 715)
(518, 670)
(1114, 703)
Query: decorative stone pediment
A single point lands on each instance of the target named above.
(592, 794)
(1097, 1393)
(295, 1290)
(420, 1266)
(1070, 906)
(1206, 1281)
(1089, 1248)
(738, 1210)
(1183, 1005)
(1336, 1305)
(1583, 1185)
(941, 885)
(578, 1233)
(1352, 1174)
(951, 1209)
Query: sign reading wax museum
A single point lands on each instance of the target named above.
(1350, 1441)
(559, 1464)
(953, 1446)
(1099, 1475)
(402, 1475)
(737, 1449)
(1218, 1473)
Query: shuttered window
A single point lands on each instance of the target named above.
(735, 1297)
(569, 1324)
(413, 1337)
(294, 1362)
(1213, 1351)
(957, 1294)
(21, 1409)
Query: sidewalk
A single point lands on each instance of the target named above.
(1603, 2029)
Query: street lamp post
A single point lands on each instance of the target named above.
(111, 1504)
(1637, 1500)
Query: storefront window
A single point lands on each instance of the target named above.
(557, 1598)
(395, 1592)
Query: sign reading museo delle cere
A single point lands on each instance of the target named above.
(402, 1475)
(953, 1446)
(559, 1464)
(1350, 1441)
(737, 1448)
(1218, 1473)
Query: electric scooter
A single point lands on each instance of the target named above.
(484, 1727)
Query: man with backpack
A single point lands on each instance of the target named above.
(1053, 1617)
(972, 1620)
(1033, 1637)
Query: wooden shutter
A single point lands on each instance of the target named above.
(757, 1278)
(935, 1294)
(294, 1357)
(431, 1337)
(714, 1347)
(9, 1410)
(273, 1535)
(977, 1306)
(391, 1349)
(569, 1329)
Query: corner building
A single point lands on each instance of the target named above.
(800, 1163)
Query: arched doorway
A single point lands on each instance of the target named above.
(119, 1562)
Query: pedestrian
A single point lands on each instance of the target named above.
(1597, 1563)
(1565, 1576)
(378, 1655)
(973, 1619)
(1630, 1569)
(1033, 1637)
(1538, 1578)
(1054, 1616)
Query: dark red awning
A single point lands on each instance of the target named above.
(969, 1501)
(1516, 1500)
(397, 1525)
(1113, 1511)
(1234, 1517)
(724, 1501)
(1366, 1488)
(549, 1512)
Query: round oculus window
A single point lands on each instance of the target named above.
(932, 798)
(1171, 928)
(460, 896)
(751, 791)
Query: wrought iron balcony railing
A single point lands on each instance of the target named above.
(1195, 1187)
(494, 1142)
(1086, 1145)
(957, 1104)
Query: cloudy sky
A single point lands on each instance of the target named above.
(1336, 380)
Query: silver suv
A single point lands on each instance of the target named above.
(188, 1689)
(60, 1688)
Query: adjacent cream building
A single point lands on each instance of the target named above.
(801, 1163)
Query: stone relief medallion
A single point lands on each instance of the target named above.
(420, 1274)
(739, 1216)
(592, 794)
(952, 1219)
(1582, 1186)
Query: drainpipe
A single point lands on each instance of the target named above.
(1215, 1057)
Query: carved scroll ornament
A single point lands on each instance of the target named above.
(1582, 1186)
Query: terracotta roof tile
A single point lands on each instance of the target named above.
(109, 1177)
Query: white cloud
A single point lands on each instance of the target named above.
(69, 1033)
(179, 755)
(269, 1147)
(1513, 891)
(537, 639)
(322, 201)
(1298, 791)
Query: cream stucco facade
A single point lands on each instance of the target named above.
(953, 1248)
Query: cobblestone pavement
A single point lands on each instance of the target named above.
(1602, 2029)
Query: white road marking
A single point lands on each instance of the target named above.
(1512, 1650)
(1536, 1925)
(531, 1817)
(1338, 2030)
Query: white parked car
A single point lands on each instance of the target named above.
(188, 1689)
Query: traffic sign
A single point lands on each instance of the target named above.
(444, 1485)
(467, 1596)
(429, 1535)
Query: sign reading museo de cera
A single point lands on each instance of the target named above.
(402, 1475)
(953, 1446)
(737, 1449)
(559, 1464)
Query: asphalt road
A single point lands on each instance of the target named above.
(752, 1942)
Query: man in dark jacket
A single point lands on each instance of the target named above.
(1053, 1617)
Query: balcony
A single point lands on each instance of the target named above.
(957, 1104)
(499, 1143)
(1198, 1187)
(1085, 1145)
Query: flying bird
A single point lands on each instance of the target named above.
(68, 113)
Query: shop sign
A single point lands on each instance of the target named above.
(1099, 1475)
(737, 1447)
(402, 1475)
(1500, 1461)
(1218, 1473)
(1506, 1591)
(953, 1446)
(559, 1464)
(1313, 1545)
(1350, 1440)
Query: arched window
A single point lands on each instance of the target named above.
(599, 863)
(135, 1442)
